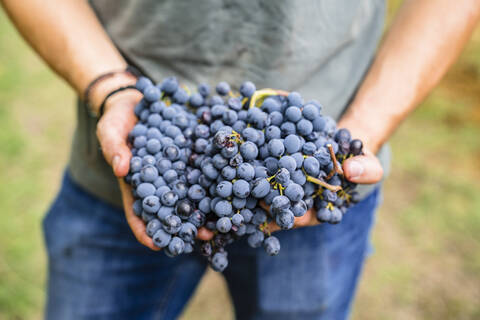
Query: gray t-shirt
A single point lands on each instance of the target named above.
(320, 48)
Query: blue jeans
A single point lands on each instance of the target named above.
(97, 270)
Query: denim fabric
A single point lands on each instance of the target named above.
(97, 270)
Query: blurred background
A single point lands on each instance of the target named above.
(426, 263)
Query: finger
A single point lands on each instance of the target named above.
(303, 221)
(136, 224)
(112, 133)
(273, 227)
(306, 220)
(204, 234)
(363, 169)
(139, 231)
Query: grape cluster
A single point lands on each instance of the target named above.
(210, 160)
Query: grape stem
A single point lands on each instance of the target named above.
(324, 184)
(264, 228)
(263, 93)
(337, 168)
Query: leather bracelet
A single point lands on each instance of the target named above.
(101, 110)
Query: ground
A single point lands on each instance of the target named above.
(426, 263)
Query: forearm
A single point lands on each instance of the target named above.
(68, 36)
(424, 40)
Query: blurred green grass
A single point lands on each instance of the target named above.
(427, 259)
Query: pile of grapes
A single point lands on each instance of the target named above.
(202, 160)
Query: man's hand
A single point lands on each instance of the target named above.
(365, 169)
(112, 132)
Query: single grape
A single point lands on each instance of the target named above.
(187, 232)
(196, 193)
(282, 176)
(299, 208)
(151, 93)
(294, 192)
(329, 195)
(172, 224)
(259, 216)
(247, 215)
(203, 89)
(324, 215)
(247, 89)
(204, 205)
(285, 219)
(184, 209)
(176, 246)
(309, 148)
(188, 248)
(135, 164)
(248, 150)
(276, 147)
(336, 216)
(224, 224)
(223, 208)
(239, 203)
(279, 204)
(356, 147)
(255, 240)
(224, 189)
(145, 189)
(272, 245)
(229, 173)
(260, 188)
(245, 171)
(142, 83)
(310, 112)
(151, 204)
(273, 132)
(153, 226)
(222, 88)
(164, 212)
(295, 99)
(161, 238)
(311, 166)
(197, 218)
(169, 85)
(293, 114)
(149, 173)
(219, 262)
(241, 189)
(180, 96)
(237, 219)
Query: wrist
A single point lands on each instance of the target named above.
(101, 89)
(127, 98)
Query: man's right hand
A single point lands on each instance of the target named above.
(112, 132)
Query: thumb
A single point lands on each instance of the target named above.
(364, 169)
(113, 140)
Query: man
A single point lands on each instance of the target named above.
(323, 49)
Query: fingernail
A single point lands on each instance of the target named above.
(355, 169)
(115, 161)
